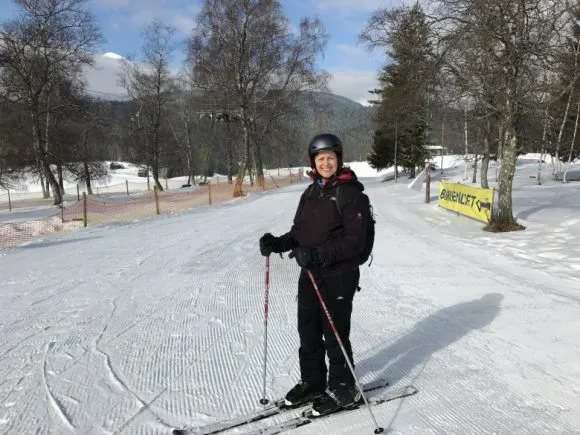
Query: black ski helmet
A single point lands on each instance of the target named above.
(323, 142)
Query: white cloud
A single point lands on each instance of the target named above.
(353, 51)
(103, 77)
(349, 6)
(102, 80)
(354, 84)
(184, 24)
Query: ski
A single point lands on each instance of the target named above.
(307, 417)
(277, 407)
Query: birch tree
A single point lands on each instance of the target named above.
(47, 41)
(517, 41)
(247, 50)
(150, 85)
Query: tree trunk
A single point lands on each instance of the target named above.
(44, 164)
(557, 164)
(485, 166)
(396, 144)
(499, 154)
(485, 157)
(45, 192)
(155, 161)
(543, 147)
(246, 160)
(155, 170)
(258, 151)
(502, 218)
(474, 177)
(191, 153)
(55, 186)
(251, 165)
(210, 147)
(53, 183)
(258, 161)
(573, 142)
(466, 142)
(230, 163)
(87, 178)
(60, 178)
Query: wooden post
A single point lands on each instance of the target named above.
(156, 195)
(209, 191)
(127, 186)
(85, 219)
(290, 176)
(62, 212)
(9, 202)
(78, 192)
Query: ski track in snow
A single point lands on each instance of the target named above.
(159, 324)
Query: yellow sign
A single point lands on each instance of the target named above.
(470, 201)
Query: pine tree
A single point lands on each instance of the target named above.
(406, 86)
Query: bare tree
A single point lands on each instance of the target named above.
(85, 129)
(185, 124)
(49, 39)
(150, 84)
(246, 49)
(515, 42)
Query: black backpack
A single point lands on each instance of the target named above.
(370, 239)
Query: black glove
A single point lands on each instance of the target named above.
(269, 244)
(307, 257)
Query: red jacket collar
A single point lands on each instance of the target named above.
(344, 176)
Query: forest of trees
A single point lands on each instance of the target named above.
(249, 96)
(484, 78)
(487, 78)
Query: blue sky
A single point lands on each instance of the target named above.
(353, 69)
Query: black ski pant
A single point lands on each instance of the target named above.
(316, 334)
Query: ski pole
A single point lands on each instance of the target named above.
(263, 400)
(378, 429)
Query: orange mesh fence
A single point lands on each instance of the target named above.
(16, 233)
(272, 181)
(118, 209)
(101, 209)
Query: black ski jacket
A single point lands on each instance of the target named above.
(318, 223)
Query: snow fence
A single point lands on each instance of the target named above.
(123, 207)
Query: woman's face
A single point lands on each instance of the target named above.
(326, 163)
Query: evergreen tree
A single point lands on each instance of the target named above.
(406, 87)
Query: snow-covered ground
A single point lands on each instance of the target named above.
(144, 326)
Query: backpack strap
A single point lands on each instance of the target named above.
(339, 198)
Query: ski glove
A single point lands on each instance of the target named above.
(269, 244)
(308, 257)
